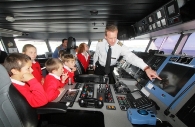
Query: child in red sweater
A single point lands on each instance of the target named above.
(83, 55)
(69, 66)
(31, 51)
(53, 84)
(19, 68)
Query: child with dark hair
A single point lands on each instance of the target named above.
(31, 51)
(19, 68)
(53, 84)
(60, 53)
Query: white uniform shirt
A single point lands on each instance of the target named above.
(118, 49)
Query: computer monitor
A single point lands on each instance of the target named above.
(176, 78)
(172, 9)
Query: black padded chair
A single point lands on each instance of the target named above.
(15, 110)
(80, 68)
(80, 75)
(71, 46)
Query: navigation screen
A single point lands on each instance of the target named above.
(136, 94)
(159, 14)
(171, 9)
(174, 77)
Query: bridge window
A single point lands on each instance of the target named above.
(81, 41)
(39, 44)
(158, 42)
(152, 46)
(93, 45)
(169, 44)
(165, 44)
(53, 44)
(189, 47)
(136, 45)
(1, 46)
(181, 44)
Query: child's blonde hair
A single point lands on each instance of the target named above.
(25, 47)
(52, 64)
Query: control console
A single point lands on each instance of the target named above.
(90, 103)
(141, 116)
(135, 99)
(78, 86)
(87, 91)
(104, 93)
(139, 100)
(123, 103)
(121, 88)
(69, 97)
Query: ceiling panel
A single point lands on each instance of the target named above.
(50, 16)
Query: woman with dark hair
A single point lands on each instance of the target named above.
(83, 55)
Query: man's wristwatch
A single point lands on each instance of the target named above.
(148, 67)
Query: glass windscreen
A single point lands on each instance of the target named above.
(39, 44)
(1, 46)
(189, 47)
(170, 43)
(174, 77)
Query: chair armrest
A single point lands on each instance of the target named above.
(52, 107)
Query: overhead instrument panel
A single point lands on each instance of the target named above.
(142, 26)
(173, 13)
(167, 15)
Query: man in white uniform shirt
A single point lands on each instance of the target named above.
(117, 50)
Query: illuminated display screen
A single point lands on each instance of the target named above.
(158, 24)
(154, 26)
(136, 95)
(171, 9)
(174, 77)
(140, 28)
(163, 22)
(159, 15)
(150, 27)
(150, 19)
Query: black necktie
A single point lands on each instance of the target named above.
(108, 60)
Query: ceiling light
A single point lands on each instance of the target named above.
(10, 18)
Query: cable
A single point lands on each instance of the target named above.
(159, 119)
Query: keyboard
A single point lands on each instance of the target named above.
(69, 97)
(138, 100)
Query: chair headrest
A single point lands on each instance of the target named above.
(5, 80)
(71, 43)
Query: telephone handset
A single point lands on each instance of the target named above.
(91, 103)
